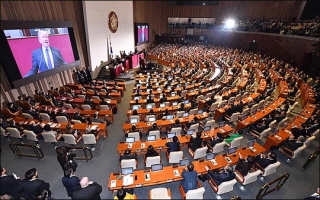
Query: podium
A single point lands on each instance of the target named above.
(115, 71)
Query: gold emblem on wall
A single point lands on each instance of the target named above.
(113, 22)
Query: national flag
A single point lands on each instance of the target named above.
(111, 52)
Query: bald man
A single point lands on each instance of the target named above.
(88, 190)
(45, 57)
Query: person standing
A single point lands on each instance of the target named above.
(189, 176)
(31, 186)
(9, 184)
(70, 181)
(66, 159)
(87, 190)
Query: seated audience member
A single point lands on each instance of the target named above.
(211, 101)
(244, 165)
(47, 129)
(181, 108)
(164, 98)
(215, 140)
(122, 194)
(96, 119)
(13, 124)
(62, 112)
(312, 128)
(174, 145)
(33, 127)
(77, 116)
(150, 100)
(301, 131)
(107, 96)
(189, 176)
(263, 160)
(133, 129)
(9, 184)
(196, 142)
(151, 112)
(226, 173)
(128, 155)
(69, 130)
(14, 110)
(164, 114)
(194, 121)
(151, 152)
(88, 102)
(137, 94)
(154, 127)
(210, 117)
(3, 123)
(291, 144)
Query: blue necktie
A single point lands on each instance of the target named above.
(49, 59)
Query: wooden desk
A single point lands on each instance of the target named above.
(244, 123)
(82, 127)
(262, 86)
(143, 102)
(283, 88)
(112, 103)
(144, 126)
(284, 133)
(114, 95)
(167, 175)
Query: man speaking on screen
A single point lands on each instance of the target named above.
(46, 57)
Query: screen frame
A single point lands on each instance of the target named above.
(249, 142)
(152, 166)
(214, 156)
(130, 138)
(127, 168)
(174, 134)
(184, 160)
(136, 33)
(8, 61)
(229, 149)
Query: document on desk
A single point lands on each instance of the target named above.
(127, 180)
(176, 172)
(113, 183)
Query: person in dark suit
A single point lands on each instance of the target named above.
(133, 129)
(62, 112)
(297, 132)
(151, 152)
(46, 57)
(128, 155)
(87, 190)
(9, 184)
(174, 145)
(30, 187)
(225, 174)
(79, 117)
(150, 100)
(215, 140)
(244, 165)
(194, 121)
(264, 160)
(290, 144)
(314, 196)
(154, 127)
(189, 176)
(13, 124)
(164, 98)
(196, 142)
(33, 127)
(88, 102)
(64, 157)
(70, 181)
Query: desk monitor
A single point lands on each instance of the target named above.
(210, 156)
(133, 120)
(253, 112)
(244, 117)
(169, 87)
(232, 150)
(136, 107)
(164, 83)
(138, 85)
(161, 96)
(221, 124)
(157, 83)
(232, 101)
(187, 84)
(175, 103)
(171, 135)
(178, 86)
(173, 94)
(200, 111)
(157, 167)
(222, 105)
(170, 117)
(151, 119)
(207, 128)
(148, 90)
(162, 105)
(190, 132)
(186, 101)
(149, 106)
(250, 143)
(130, 140)
(127, 170)
(185, 114)
(190, 91)
(276, 131)
(184, 162)
(159, 89)
(151, 138)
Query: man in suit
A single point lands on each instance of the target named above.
(30, 187)
(264, 160)
(9, 184)
(174, 145)
(87, 190)
(244, 165)
(190, 178)
(196, 142)
(79, 117)
(127, 155)
(216, 139)
(45, 57)
(290, 144)
(33, 127)
(70, 181)
(225, 174)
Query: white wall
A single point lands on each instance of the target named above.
(97, 30)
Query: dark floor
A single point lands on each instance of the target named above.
(300, 184)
